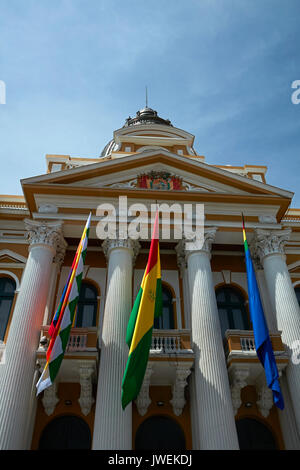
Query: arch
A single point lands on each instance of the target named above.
(167, 321)
(255, 435)
(231, 307)
(66, 432)
(236, 286)
(4, 273)
(160, 433)
(7, 295)
(87, 307)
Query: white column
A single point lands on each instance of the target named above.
(214, 408)
(270, 248)
(181, 261)
(263, 291)
(24, 333)
(113, 426)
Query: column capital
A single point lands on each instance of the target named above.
(61, 248)
(133, 245)
(267, 242)
(183, 251)
(44, 233)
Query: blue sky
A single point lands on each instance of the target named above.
(220, 69)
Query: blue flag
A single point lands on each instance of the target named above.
(262, 339)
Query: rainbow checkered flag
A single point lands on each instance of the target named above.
(62, 322)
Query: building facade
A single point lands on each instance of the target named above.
(204, 387)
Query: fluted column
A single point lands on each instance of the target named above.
(113, 426)
(269, 245)
(22, 342)
(212, 400)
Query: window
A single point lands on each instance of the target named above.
(160, 433)
(232, 311)
(7, 293)
(253, 435)
(166, 320)
(65, 433)
(297, 290)
(86, 314)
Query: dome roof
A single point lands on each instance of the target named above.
(145, 116)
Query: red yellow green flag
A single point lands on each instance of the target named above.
(147, 306)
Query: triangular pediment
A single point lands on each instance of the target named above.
(123, 173)
(11, 258)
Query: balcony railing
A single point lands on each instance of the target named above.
(240, 343)
(171, 342)
(77, 342)
(81, 339)
(247, 344)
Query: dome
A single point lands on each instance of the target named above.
(145, 116)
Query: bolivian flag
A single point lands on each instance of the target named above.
(262, 339)
(147, 306)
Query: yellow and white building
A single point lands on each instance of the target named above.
(204, 387)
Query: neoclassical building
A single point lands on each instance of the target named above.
(204, 387)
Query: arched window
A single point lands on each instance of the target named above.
(66, 433)
(160, 433)
(7, 293)
(86, 314)
(166, 320)
(254, 435)
(232, 311)
(297, 290)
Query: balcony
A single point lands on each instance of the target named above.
(170, 361)
(79, 365)
(171, 342)
(81, 349)
(244, 367)
(240, 347)
(82, 340)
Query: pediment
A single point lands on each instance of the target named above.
(125, 173)
(9, 257)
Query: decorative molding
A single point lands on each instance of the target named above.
(45, 233)
(266, 242)
(143, 399)
(50, 399)
(183, 252)
(178, 401)
(128, 184)
(159, 180)
(48, 209)
(61, 248)
(265, 399)
(238, 382)
(129, 243)
(86, 400)
(267, 219)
